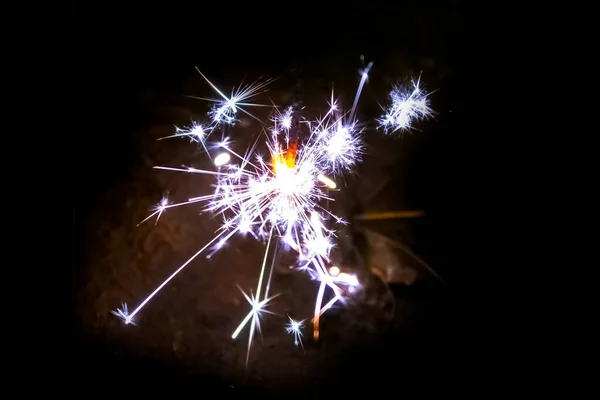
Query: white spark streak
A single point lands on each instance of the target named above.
(258, 305)
(123, 314)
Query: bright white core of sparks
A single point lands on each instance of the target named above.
(222, 159)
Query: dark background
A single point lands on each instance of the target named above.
(129, 58)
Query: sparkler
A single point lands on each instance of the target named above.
(281, 196)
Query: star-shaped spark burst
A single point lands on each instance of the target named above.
(158, 210)
(405, 108)
(258, 308)
(295, 328)
(226, 108)
(123, 314)
(196, 132)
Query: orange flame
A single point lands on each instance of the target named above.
(288, 158)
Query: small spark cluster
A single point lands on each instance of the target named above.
(282, 196)
(406, 108)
